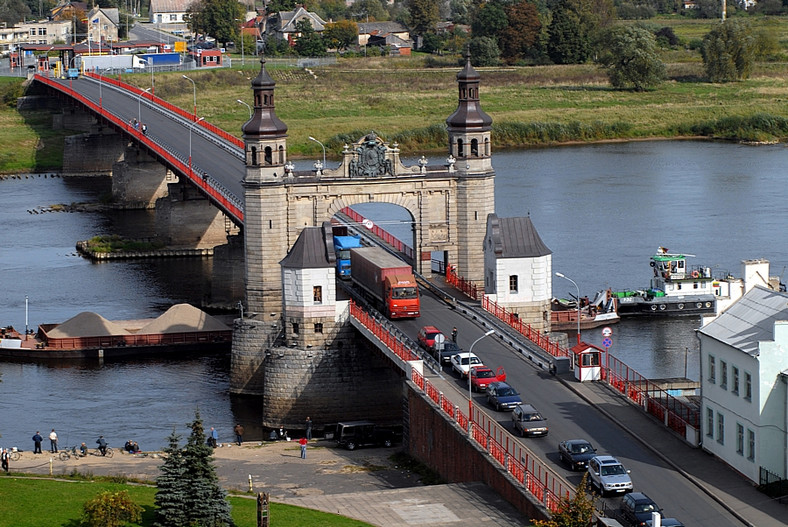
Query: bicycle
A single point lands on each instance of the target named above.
(97, 452)
(14, 455)
(70, 452)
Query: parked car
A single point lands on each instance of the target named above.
(462, 362)
(501, 396)
(608, 475)
(482, 376)
(427, 336)
(636, 509)
(447, 349)
(528, 421)
(666, 522)
(576, 453)
(352, 434)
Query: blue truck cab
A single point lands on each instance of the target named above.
(72, 73)
(342, 246)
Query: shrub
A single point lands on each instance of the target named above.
(110, 509)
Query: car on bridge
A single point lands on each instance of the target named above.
(444, 352)
(576, 453)
(463, 362)
(608, 475)
(427, 335)
(501, 396)
(72, 73)
(482, 376)
(636, 509)
(528, 421)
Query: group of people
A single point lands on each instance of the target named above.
(131, 447)
(83, 449)
(213, 435)
(139, 126)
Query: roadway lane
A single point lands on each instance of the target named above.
(569, 417)
(174, 133)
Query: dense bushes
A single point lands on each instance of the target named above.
(759, 127)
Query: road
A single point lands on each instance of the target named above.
(569, 417)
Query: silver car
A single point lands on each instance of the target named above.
(608, 475)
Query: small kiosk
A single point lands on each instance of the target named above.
(587, 360)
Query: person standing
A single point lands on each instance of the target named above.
(303, 442)
(4, 459)
(239, 433)
(309, 429)
(214, 437)
(53, 441)
(454, 334)
(37, 442)
(102, 445)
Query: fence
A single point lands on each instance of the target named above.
(773, 485)
(513, 320)
(467, 287)
(523, 465)
(384, 235)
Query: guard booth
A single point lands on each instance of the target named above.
(587, 360)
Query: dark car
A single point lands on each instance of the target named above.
(352, 434)
(501, 396)
(576, 453)
(443, 352)
(636, 509)
(528, 421)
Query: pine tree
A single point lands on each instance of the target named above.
(172, 491)
(572, 512)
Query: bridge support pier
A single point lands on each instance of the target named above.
(139, 180)
(227, 276)
(92, 153)
(185, 218)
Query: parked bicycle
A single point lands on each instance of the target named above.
(70, 452)
(14, 455)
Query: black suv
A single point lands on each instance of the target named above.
(352, 434)
(636, 509)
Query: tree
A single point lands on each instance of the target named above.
(488, 20)
(631, 58)
(568, 42)
(341, 34)
(572, 512)
(523, 30)
(12, 11)
(424, 16)
(368, 11)
(484, 51)
(172, 492)
(218, 18)
(729, 51)
(309, 42)
(459, 11)
(110, 509)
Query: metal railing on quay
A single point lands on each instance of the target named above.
(467, 287)
(513, 321)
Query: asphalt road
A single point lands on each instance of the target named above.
(569, 417)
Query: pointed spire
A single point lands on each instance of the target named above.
(264, 122)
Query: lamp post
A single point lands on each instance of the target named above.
(101, 77)
(239, 101)
(470, 394)
(194, 89)
(149, 64)
(191, 172)
(561, 275)
(324, 149)
(26, 317)
(139, 105)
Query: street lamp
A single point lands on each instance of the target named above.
(561, 275)
(239, 101)
(139, 105)
(149, 64)
(470, 394)
(194, 89)
(101, 77)
(190, 144)
(324, 149)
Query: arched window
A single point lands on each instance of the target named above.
(254, 155)
(281, 155)
(268, 156)
(487, 146)
(474, 148)
(460, 148)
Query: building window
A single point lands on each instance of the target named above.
(747, 386)
(723, 375)
(317, 294)
(720, 428)
(712, 369)
(295, 328)
(750, 445)
(513, 283)
(709, 422)
(739, 439)
(318, 327)
(734, 380)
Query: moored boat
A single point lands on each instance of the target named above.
(600, 311)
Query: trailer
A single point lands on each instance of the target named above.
(386, 281)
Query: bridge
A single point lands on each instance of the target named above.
(238, 176)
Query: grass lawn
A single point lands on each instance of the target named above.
(37, 502)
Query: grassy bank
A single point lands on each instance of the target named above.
(22, 504)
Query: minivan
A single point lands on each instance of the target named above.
(352, 434)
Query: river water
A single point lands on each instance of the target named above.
(602, 209)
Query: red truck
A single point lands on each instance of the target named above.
(386, 280)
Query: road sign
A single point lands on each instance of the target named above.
(440, 338)
(607, 342)
(368, 223)
(606, 332)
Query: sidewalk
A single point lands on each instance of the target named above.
(714, 477)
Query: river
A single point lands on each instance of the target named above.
(602, 209)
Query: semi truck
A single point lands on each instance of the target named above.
(342, 247)
(386, 281)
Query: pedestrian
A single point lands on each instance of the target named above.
(214, 437)
(308, 428)
(37, 442)
(239, 433)
(102, 445)
(53, 441)
(454, 334)
(303, 442)
(4, 459)
(144, 129)
(83, 450)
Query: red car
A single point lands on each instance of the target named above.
(482, 376)
(427, 336)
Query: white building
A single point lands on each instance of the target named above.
(517, 269)
(169, 11)
(744, 376)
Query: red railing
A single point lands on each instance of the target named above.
(513, 320)
(178, 165)
(523, 465)
(169, 106)
(467, 287)
(651, 398)
(384, 235)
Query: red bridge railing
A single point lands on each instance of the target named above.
(229, 205)
(513, 320)
(467, 287)
(383, 234)
(535, 475)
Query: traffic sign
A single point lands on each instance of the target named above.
(368, 223)
(606, 331)
(607, 342)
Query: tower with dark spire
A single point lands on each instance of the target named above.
(469, 127)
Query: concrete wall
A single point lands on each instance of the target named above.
(227, 277)
(92, 153)
(139, 180)
(185, 218)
